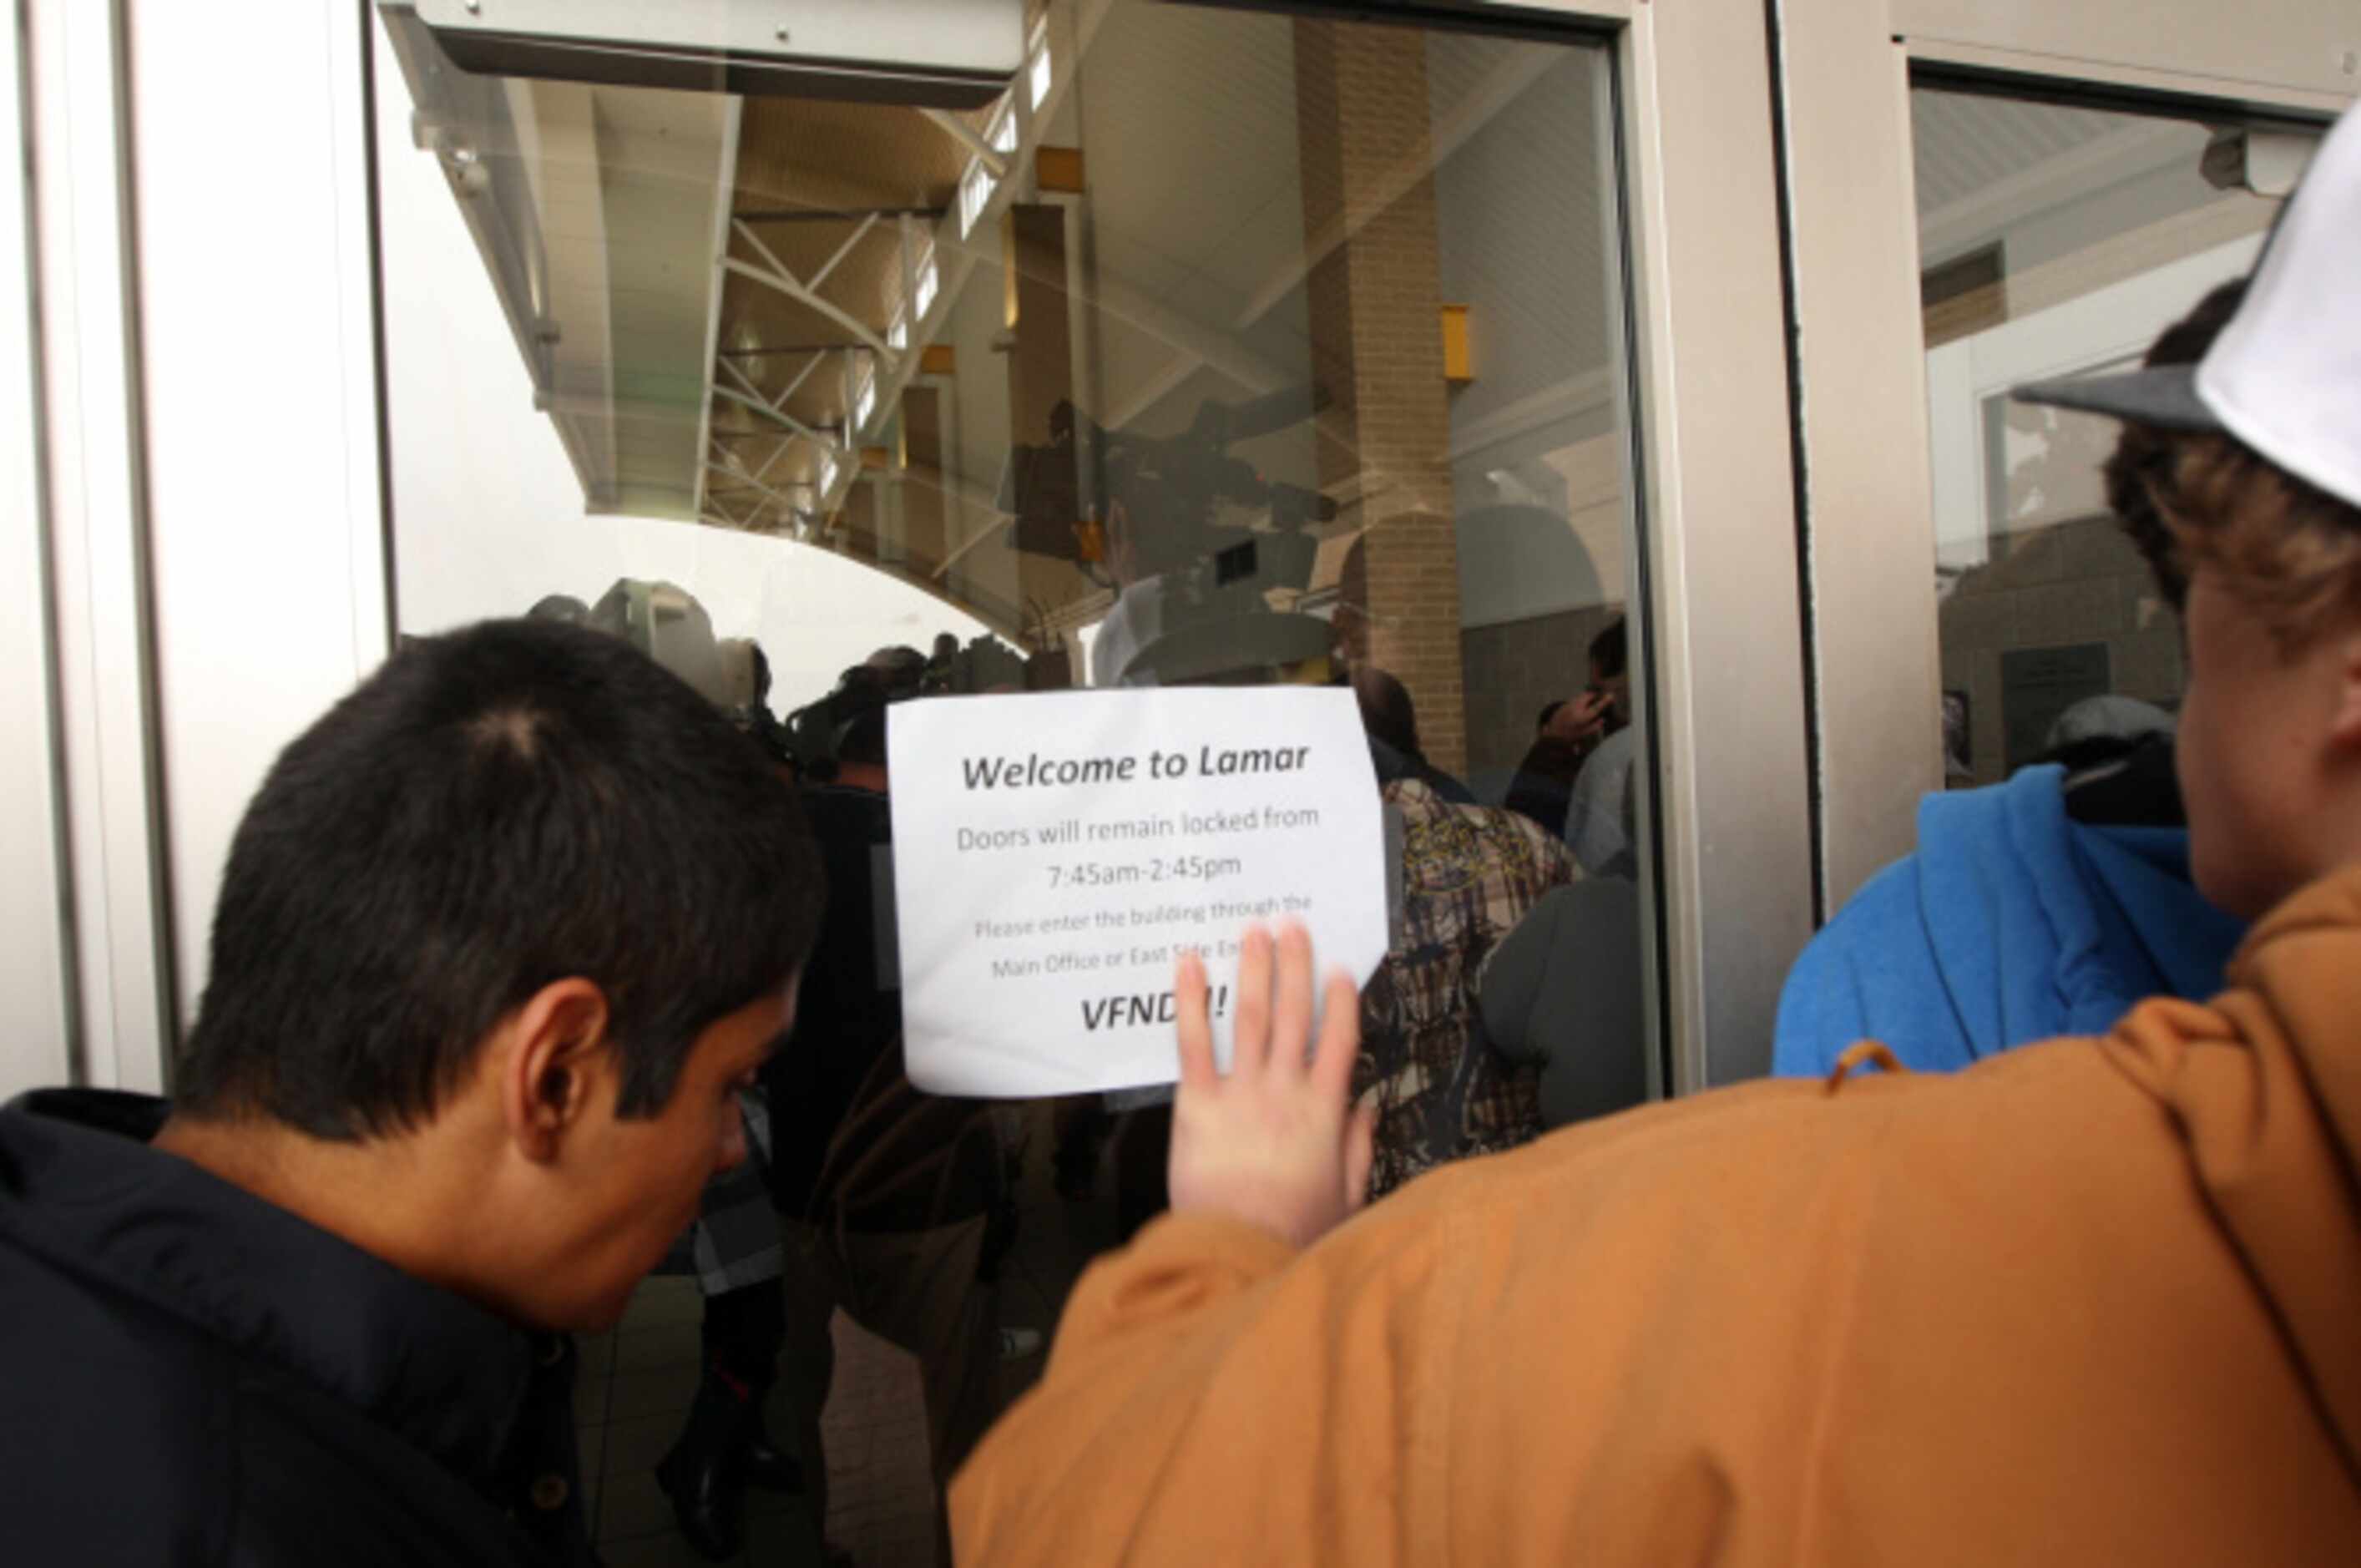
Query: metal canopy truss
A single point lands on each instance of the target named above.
(836, 258)
(968, 136)
(774, 408)
(785, 503)
(589, 200)
(926, 237)
(952, 245)
(755, 405)
(774, 274)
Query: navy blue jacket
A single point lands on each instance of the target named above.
(190, 1375)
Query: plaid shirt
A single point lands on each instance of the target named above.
(1470, 874)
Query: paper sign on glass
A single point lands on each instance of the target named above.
(1055, 853)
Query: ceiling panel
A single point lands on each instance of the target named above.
(1965, 142)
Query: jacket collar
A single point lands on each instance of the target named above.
(2274, 1128)
(81, 1187)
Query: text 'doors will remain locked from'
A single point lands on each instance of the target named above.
(1056, 853)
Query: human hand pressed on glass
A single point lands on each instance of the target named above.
(1274, 1142)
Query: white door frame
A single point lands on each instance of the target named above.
(1845, 73)
(202, 540)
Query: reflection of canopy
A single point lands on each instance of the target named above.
(757, 394)
(750, 395)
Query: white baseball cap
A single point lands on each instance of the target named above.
(2284, 376)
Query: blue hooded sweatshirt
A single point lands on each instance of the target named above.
(2012, 924)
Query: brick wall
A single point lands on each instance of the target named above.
(1367, 160)
(2077, 582)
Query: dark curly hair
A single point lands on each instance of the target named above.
(2144, 456)
(2188, 500)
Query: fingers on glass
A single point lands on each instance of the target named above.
(1250, 1042)
(1291, 1024)
(1196, 1030)
(1340, 1035)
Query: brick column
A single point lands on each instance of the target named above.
(1375, 295)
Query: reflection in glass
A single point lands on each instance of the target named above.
(1221, 349)
(2057, 240)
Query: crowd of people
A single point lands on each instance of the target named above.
(529, 973)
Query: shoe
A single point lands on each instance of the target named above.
(1016, 1344)
(707, 1501)
(764, 1464)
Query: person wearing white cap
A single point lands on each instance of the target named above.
(2260, 489)
(2047, 905)
(2092, 1301)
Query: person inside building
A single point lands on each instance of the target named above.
(1570, 734)
(2050, 904)
(498, 940)
(1391, 722)
(1601, 819)
(1469, 874)
(725, 1444)
(891, 1201)
(1563, 995)
(2087, 1302)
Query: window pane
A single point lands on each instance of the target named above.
(1282, 350)
(2054, 241)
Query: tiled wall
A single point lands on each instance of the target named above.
(2078, 582)
(1512, 670)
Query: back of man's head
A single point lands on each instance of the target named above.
(1610, 652)
(494, 810)
(1386, 709)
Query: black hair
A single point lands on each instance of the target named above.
(856, 706)
(864, 739)
(495, 809)
(1386, 709)
(1610, 650)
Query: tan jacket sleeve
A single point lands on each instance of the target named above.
(1205, 1403)
(1915, 1321)
(1430, 1384)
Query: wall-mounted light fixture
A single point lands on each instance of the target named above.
(1458, 359)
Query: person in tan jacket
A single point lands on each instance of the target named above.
(2094, 1301)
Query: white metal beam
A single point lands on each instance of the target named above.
(955, 261)
(801, 377)
(732, 121)
(768, 411)
(737, 476)
(959, 131)
(801, 295)
(860, 232)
